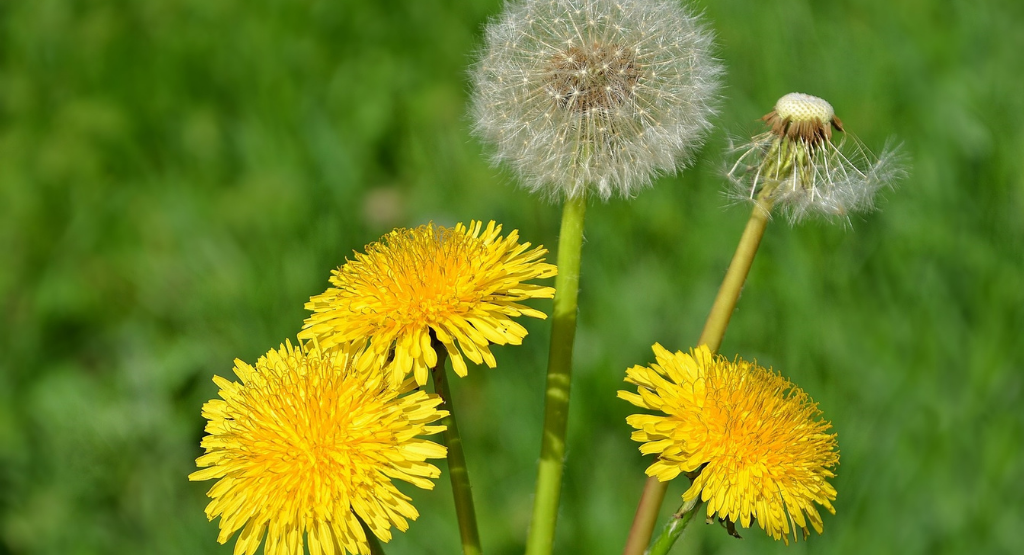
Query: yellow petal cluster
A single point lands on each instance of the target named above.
(762, 450)
(464, 284)
(303, 447)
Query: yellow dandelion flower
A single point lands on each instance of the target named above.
(762, 451)
(306, 445)
(463, 284)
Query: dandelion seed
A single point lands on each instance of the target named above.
(306, 446)
(757, 440)
(797, 166)
(464, 284)
(594, 96)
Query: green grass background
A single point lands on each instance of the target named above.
(177, 177)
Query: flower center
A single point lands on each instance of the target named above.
(433, 277)
(592, 77)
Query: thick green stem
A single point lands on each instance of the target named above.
(556, 399)
(458, 472)
(714, 330)
(675, 526)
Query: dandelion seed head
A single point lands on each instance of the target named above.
(594, 96)
(800, 167)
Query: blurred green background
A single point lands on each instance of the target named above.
(177, 177)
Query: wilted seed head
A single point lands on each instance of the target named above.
(802, 116)
(594, 95)
(797, 166)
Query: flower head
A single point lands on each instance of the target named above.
(762, 451)
(594, 96)
(797, 166)
(464, 285)
(306, 445)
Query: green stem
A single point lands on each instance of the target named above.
(675, 526)
(458, 472)
(714, 331)
(556, 399)
(735, 277)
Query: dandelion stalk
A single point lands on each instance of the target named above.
(714, 330)
(458, 471)
(675, 526)
(735, 277)
(556, 399)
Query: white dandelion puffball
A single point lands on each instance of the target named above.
(585, 97)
